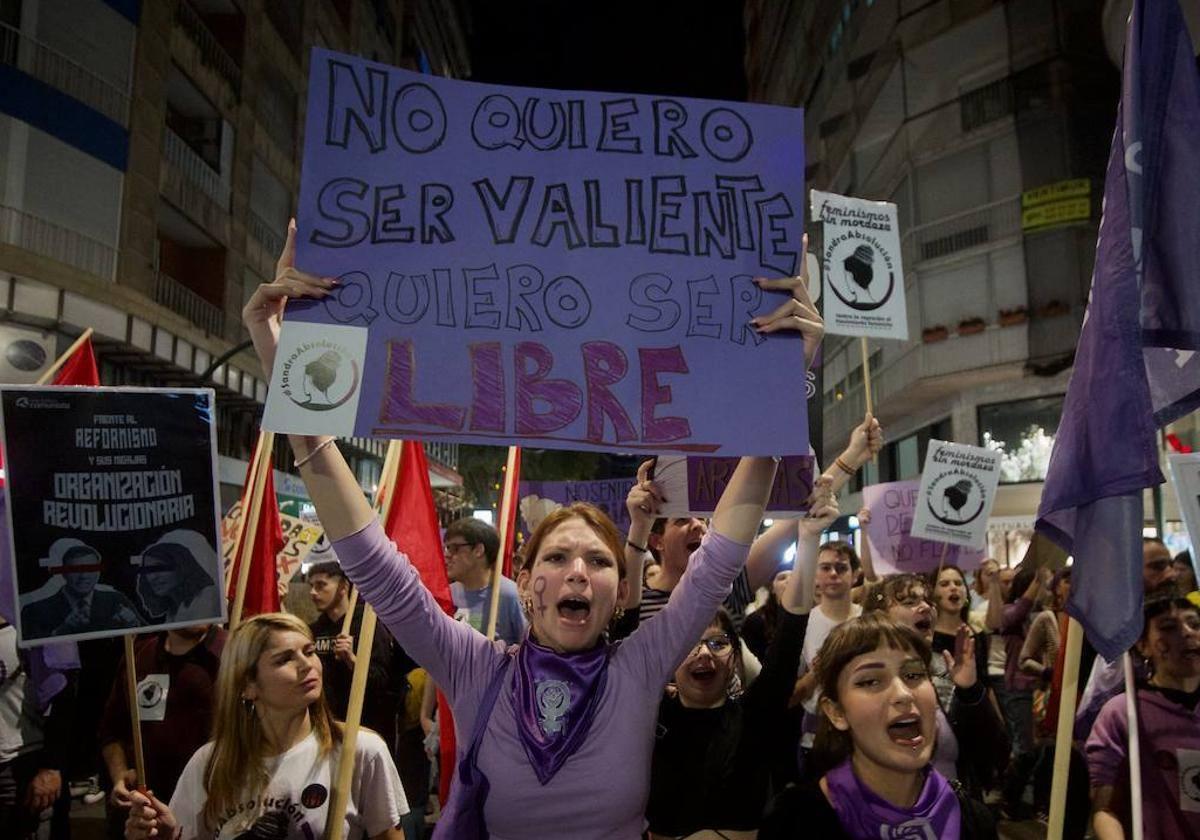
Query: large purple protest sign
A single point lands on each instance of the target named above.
(547, 268)
(537, 499)
(893, 549)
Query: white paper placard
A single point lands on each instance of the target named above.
(862, 275)
(958, 489)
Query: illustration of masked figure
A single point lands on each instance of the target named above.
(176, 578)
(74, 601)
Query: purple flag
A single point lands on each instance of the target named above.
(1135, 365)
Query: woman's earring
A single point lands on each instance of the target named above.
(618, 614)
(248, 705)
(527, 605)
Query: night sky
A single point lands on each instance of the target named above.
(654, 46)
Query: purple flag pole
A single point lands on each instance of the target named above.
(1135, 365)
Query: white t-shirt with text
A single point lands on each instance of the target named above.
(295, 803)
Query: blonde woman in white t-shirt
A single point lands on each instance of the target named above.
(267, 772)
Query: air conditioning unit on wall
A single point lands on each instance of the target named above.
(25, 353)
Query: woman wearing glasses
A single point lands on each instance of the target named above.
(710, 770)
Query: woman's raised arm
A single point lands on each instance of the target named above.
(339, 500)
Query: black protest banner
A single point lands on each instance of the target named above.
(113, 522)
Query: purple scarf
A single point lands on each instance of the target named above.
(555, 697)
(866, 816)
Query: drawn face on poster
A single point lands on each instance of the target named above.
(112, 514)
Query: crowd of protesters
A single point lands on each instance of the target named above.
(678, 680)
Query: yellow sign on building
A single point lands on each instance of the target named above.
(1055, 204)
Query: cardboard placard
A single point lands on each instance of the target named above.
(543, 268)
(862, 272)
(893, 548)
(113, 517)
(957, 492)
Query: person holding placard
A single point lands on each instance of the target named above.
(1168, 702)
(709, 770)
(268, 770)
(872, 773)
(563, 712)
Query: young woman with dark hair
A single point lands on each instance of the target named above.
(873, 775)
(1168, 702)
(952, 608)
(972, 740)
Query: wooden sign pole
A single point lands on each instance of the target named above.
(507, 500)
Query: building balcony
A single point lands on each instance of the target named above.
(53, 68)
(181, 156)
(209, 50)
(48, 239)
(183, 301)
(978, 227)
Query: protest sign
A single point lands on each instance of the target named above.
(893, 548)
(542, 268)
(113, 517)
(692, 486)
(863, 278)
(538, 499)
(299, 536)
(958, 489)
(1185, 477)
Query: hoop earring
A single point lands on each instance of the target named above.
(248, 706)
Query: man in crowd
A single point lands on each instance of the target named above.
(176, 674)
(472, 547)
(386, 686)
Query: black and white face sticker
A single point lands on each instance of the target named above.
(1189, 780)
(152, 697)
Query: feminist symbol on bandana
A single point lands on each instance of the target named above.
(553, 701)
(916, 829)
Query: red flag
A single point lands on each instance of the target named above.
(412, 524)
(512, 477)
(262, 585)
(80, 368)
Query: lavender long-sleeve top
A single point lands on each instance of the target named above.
(601, 791)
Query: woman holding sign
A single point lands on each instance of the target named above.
(563, 717)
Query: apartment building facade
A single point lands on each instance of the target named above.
(149, 163)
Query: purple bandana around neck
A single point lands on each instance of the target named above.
(555, 697)
(865, 815)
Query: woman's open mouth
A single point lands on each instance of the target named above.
(906, 731)
(574, 609)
